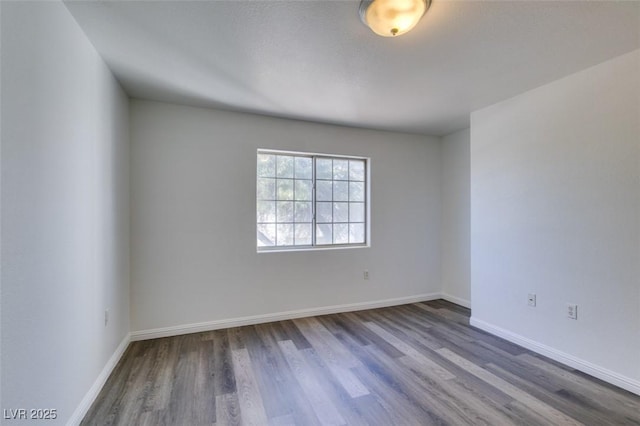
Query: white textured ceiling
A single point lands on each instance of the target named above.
(315, 60)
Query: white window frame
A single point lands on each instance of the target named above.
(314, 246)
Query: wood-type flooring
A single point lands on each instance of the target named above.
(416, 364)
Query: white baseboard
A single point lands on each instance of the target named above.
(278, 316)
(457, 300)
(91, 396)
(579, 364)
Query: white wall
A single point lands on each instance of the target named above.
(456, 211)
(65, 209)
(555, 210)
(193, 218)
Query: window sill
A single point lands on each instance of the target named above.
(308, 248)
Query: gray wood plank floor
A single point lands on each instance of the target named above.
(417, 364)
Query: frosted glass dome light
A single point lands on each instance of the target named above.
(390, 18)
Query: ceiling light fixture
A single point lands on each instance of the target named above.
(390, 18)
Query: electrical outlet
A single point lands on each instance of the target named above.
(531, 299)
(106, 317)
(572, 311)
(365, 275)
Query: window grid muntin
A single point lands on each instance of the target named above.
(348, 203)
(279, 200)
(314, 202)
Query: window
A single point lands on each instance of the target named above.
(307, 200)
